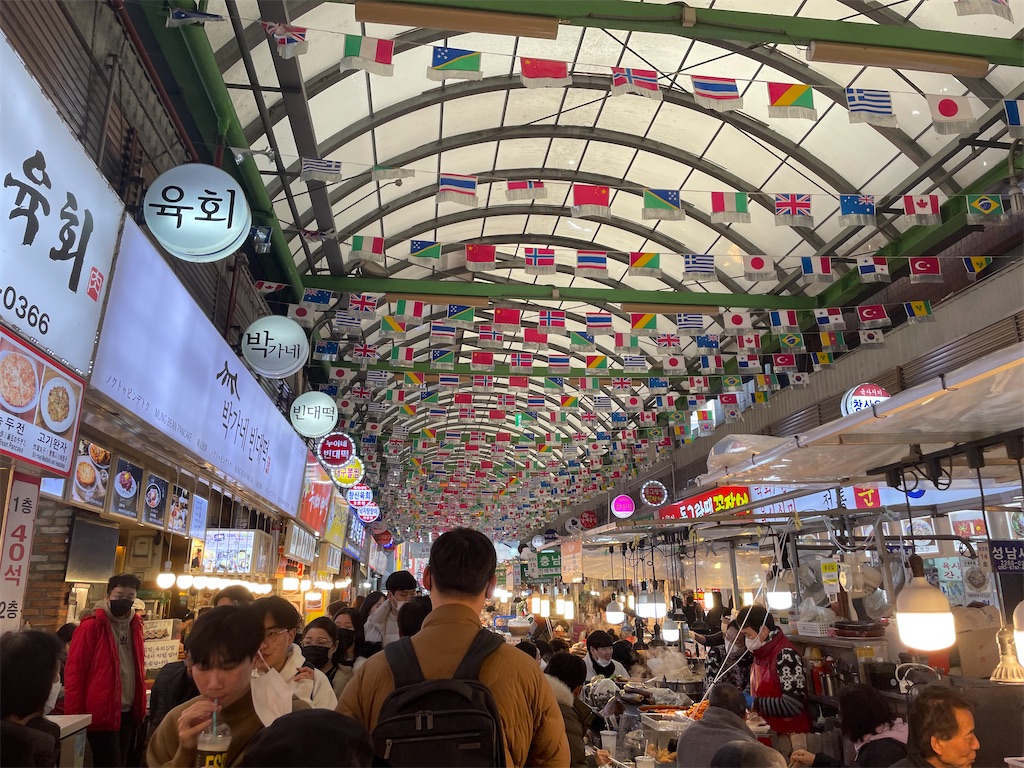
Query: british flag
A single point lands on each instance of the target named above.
(588, 417)
(793, 205)
(361, 393)
(622, 383)
(667, 340)
(364, 352)
(362, 302)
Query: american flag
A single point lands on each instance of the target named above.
(793, 205)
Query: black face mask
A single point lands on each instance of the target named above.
(346, 637)
(121, 608)
(317, 655)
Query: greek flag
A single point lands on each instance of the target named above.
(872, 107)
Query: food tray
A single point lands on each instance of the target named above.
(661, 722)
(811, 629)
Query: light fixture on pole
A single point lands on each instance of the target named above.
(613, 612)
(923, 617)
(897, 58)
(569, 613)
(185, 580)
(644, 609)
(1018, 630)
(545, 606)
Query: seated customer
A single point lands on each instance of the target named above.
(723, 722)
(30, 671)
(942, 730)
(879, 738)
(747, 754)
(566, 675)
(315, 738)
(173, 686)
(223, 646)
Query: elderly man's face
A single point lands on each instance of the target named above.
(960, 750)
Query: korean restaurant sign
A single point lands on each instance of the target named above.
(162, 360)
(19, 526)
(862, 397)
(59, 221)
(716, 500)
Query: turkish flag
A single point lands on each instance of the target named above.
(871, 313)
(925, 266)
(784, 361)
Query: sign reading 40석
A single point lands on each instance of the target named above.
(59, 222)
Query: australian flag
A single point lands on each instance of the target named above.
(856, 210)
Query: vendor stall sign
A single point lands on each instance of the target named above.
(349, 475)
(572, 562)
(369, 513)
(359, 495)
(59, 221)
(862, 397)
(19, 527)
(1006, 556)
(653, 493)
(830, 577)
(197, 212)
(275, 347)
(588, 519)
(336, 449)
(623, 506)
(313, 414)
(866, 498)
(548, 564)
(716, 500)
(161, 360)
(40, 407)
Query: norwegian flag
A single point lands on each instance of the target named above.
(551, 319)
(521, 360)
(642, 82)
(669, 341)
(540, 261)
(830, 319)
(362, 303)
(364, 352)
(487, 336)
(506, 401)
(793, 210)
(622, 383)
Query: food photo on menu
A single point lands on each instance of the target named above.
(126, 482)
(178, 522)
(91, 476)
(35, 391)
(154, 508)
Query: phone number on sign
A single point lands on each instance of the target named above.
(19, 304)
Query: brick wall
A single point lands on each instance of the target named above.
(46, 596)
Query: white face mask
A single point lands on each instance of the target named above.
(753, 643)
(271, 696)
(51, 700)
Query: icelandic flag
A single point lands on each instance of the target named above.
(856, 210)
(1013, 111)
(455, 188)
(871, 107)
(719, 94)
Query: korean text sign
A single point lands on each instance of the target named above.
(1007, 556)
(19, 526)
(716, 500)
(58, 224)
(161, 359)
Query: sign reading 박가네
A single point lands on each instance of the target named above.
(192, 387)
(59, 221)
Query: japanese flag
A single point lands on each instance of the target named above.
(301, 315)
(736, 320)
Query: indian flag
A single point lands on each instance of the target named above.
(368, 54)
(729, 207)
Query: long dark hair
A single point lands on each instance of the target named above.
(862, 709)
(372, 601)
(340, 657)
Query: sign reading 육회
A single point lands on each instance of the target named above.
(862, 397)
(197, 212)
(59, 221)
(164, 362)
(716, 500)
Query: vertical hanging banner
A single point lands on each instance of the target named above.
(19, 526)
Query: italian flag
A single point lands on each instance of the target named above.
(369, 54)
(729, 207)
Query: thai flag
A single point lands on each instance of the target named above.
(718, 89)
(439, 330)
(559, 361)
(599, 321)
(448, 380)
(591, 260)
(457, 185)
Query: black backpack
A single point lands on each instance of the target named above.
(446, 722)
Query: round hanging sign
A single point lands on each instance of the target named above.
(588, 519)
(654, 493)
(359, 495)
(197, 212)
(314, 414)
(572, 526)
(336, 449)
(350, 474)
(862, 397)
(550, 536)
(623, 506)
(369, 513)
(537, 541)
(275, 347)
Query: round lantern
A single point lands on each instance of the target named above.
(275, 347)
(314, 414)
(197, 212)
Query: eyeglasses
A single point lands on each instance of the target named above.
(269, 634)
(324, 642)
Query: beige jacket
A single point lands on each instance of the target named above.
(530, 719)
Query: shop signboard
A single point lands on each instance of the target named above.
(160, 653)
(313, 414)
(349, 475)
(160, 359)
(368, 513)
(1006, 556)
(623, 506)
(317, 490)
(359, 495)
(588, 519)
(154, 501)
(572, 562)
(719, 499)
(337, 520)
(830, 577)
(355, 538)
(59, 221)
(40, 407)
(299, 544)
(862, 397)
(275, 347)
(19, 527)
(336, 449)
(229, 551)
(333, 558)
(548, 564)
(126, 481)
(197, 523)
(180, 502)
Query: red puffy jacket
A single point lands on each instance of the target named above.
(92, 679)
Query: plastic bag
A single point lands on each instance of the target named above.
(809, 611)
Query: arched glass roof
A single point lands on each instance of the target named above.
(497, 130)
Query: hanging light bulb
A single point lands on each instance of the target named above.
(304, 585)
(923, 617)
(748, 598)
(709, 600)
(631, 600)
(290, 584)
(165, 580)
(535, 603)
(779, 597)
(200, 582)
(613, 612)
(559, 604)
(1018, 629)
(570, 609)
(644, 609)
(185, 581)
(670, 631)
(545, 606)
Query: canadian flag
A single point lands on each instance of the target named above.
(916, 205)
(736, 320)
(748, 341)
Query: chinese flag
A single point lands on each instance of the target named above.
(585, 194)
(534, 68)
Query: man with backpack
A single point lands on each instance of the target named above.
(456, 694)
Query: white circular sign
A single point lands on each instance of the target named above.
(197, 212)
(359, 495)
(654, 493)
(862, 397)
(275, 347)
(572, 526)
(369, 513)
(314, 414)
(538, 541)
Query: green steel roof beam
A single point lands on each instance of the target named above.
(537, 372)
(712, 24)
(504, 292)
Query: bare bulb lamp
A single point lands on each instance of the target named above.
(923, 617)
(613, 613)
(165, 580)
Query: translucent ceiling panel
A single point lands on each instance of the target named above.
(565, 153)
(580, 107)
(343, 103)
(535, 106)
(481, 112)
(409, 81)
(521, 153)
(857, 157)
(607, 160)
(505, 225)
(474, 158)
(629, 113)
(406, 133)
(327, 25)
(561, 49)
(743, 156)
(411, 217)
(655, 171)
(684, 128)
